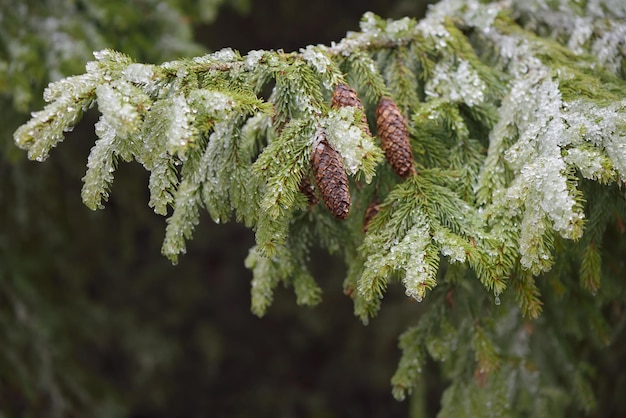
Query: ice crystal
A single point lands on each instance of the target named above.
(590, 163)
(482, 16)
(535, 105)
(583, 29)
(411, 252)
(450, 246)
(103, 54)
(71, 88)
(456, 82)
(181, 131)
(610, 47)
(602, 127)
(213, 102)
(542, 185)
(370, 23)
(100, 166)
(139, 73)
(534, 254)
(114, 103)
(253, 58)
(314, 56)
(215, 170)
(587, 29)
(607, 8)
(398, 27)
(225, 54)
(183, 220)
(68, 97)
(406, 254)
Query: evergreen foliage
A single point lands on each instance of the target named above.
(42, 41)
(516, 122)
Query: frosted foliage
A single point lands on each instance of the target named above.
(216, 169)
(396, 27)
(225, 54)
(181, 132)
(100, 166)
(68, 97)
(410, 253)
(533, 253)
(532, 118)
(589, 162)
(535, 107)
(471, 11)
(183, 220)
(303, 102)
(432, 28)
(369, 23)
(610, 48)
(513, 48)
(565, 20)
(314, 56)
(102, 54)
(607, 8)
(597, 9)
(253, 58)
(264, 279)
(456, 83)
(114, 103)
(70, 88)
(349, 139)
(603, 127)
(583, 29)
(139, 73)
(481, 16)
(374, 27)
(162, 185)
(451, 246)
(541, 184)
(609, 45)
(215, 103)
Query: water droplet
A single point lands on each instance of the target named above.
(497, 300)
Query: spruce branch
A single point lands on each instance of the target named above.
(527, 294)
(506, 160)
(412, 361)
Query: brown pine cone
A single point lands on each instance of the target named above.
(344, 95)
(394, 137)
(371, 211)
(308, 190)
(330, 176)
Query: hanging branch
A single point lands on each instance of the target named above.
(491, 147)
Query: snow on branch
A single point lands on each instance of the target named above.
(508, 109)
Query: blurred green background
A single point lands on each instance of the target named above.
(94, 322)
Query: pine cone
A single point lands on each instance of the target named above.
(344, 95)
(394, 136)
(330, 176)
(308, 190)
(371, 211)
